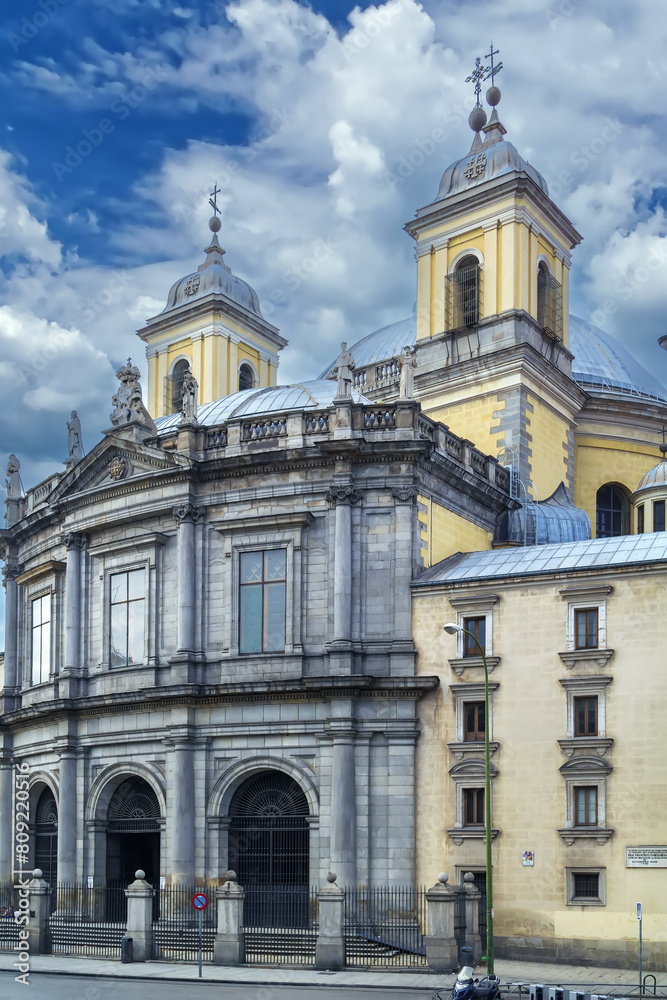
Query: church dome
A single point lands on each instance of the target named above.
(318, 394)
(213, 277)
(488, 160)
(656, 477)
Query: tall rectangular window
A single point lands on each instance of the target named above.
(477, 628)
(586, 806)
(586, 628)
(549, 302)
(128, 599)
(473, 806)
(640, 519)
(263, 584)
(586, 716)
(658, 515)
(473, 720)
(41, 639)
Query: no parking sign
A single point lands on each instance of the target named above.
(200, 901)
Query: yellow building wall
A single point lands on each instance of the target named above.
(548, 461)
(444, 532)
(528, 794)
(471, 418)
(598, 461)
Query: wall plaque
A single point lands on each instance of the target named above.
(646, 857)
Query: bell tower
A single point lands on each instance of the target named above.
(212, 325)
(493, 258)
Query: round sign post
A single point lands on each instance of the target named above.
(200, 902)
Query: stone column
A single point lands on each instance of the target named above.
(187, 515)
(405, 498)
(67, 815)
(10, 571)
(39, 895)
(441, 948)
(6, 811)
(182, 813)
(75, 544)
(342, 498)
(229, 943)
(139, 896)
(343, 830)
(472, 898)
(330, 946)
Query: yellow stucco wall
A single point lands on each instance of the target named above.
(443, 533)
(529, 798)
(548, 462)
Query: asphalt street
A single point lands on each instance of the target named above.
(45, 987)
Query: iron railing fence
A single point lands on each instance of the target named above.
(83, 922)
(280, 924)
(9, 929)
(385, 926)
(176, 924)
(482, 921)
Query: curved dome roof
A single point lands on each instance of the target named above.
(600, 363)
(315, 395)
(211, 277)
(657, 476)
(501, 158)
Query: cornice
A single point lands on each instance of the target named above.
(459, 664)
(571, 834)
(585, 657)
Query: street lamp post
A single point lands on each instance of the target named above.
(452, 629)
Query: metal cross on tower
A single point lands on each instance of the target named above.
(476, 77)
(213, 200)
(490, 73)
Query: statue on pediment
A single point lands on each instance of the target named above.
(407, 384)
(343, 370)
(189, 395)
(128, 404)
(13, 480)
(74, 440)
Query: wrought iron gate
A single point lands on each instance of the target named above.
(280, 925)
(176, 924)
(385, 926)
(78, 922)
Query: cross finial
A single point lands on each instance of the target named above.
(476, 77)
(213, 200)
(490, 74)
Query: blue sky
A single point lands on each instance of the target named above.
(306, 117)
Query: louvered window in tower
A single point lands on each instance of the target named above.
(464, 295)
(549, 302)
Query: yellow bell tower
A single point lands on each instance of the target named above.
(213, 326)
(493, 259)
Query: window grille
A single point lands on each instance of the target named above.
(463, 295)
(134, 808)
(549, 303)
(586, 885)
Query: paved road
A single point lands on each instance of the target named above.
(45, 987)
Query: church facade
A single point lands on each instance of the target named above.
(224, 642)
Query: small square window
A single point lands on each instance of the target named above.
(585, 886)
(586, 716)
(658, 515)
(586, 628)
(477, 628)
(586, 805)
(473, 806)
(473, 720)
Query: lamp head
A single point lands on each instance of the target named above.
(451, 628)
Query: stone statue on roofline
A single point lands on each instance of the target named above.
(408, 362)
(13, 480)
(343, 371)
(74, 441)
(128, 405)
(189, 395)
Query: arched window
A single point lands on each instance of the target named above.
(46, 836)
(174, 386)
(549, 302)
(612, 511)
(464, 294)
(246, 377)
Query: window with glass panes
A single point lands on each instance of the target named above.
(658, 515)
(586, 806)
(640, 519)
(586, 716)
(612, 512)
(262, 586)
(586, 628)
(128, 598)
(477, 628)
(41, 639)
(473, 806)
(473, 720)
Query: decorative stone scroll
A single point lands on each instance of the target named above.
(188, 512)
(11, 570)
(343, 494)
(405, 494)
(75, 540)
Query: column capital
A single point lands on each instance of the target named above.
(343, 494)
(11, 570)
(75, 540)
(405, 494)
(188, 512)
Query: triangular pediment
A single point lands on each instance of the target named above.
(114, 462)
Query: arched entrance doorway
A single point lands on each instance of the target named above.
(269, 849)
(46, 836)
(133, 841)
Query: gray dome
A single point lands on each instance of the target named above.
(600, 365)
(501, 158)
(555, 519)
(212, 277)
(316, 395)
(656, 477)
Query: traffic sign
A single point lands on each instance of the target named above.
(639, 911)
(200, 901)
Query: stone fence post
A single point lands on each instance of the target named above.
(330, 946)
(39, 896)
(139, 896)
(472, 898)
(441, 947)
(229, 944)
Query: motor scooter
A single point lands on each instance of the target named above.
(467, 988)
